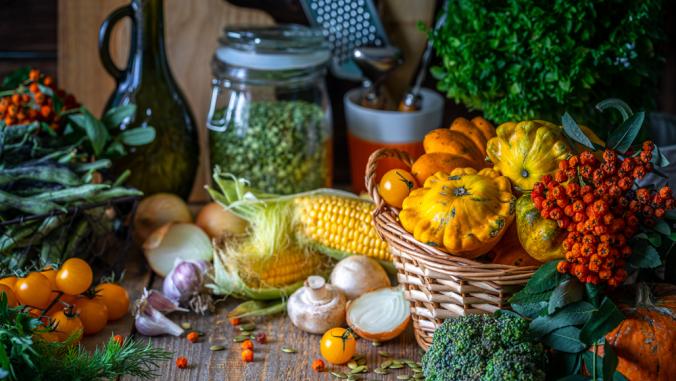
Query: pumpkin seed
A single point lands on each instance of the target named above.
(396, 366)
(357, 357)
(186, 325)
(403, 377)
(246, 333)
(386, 364)
(410, 363)
(288, 350)
(216, 348)
(384, 354)
(416, 370)
(381, 371)
(361, 361)
(419, 376)
(352, 364)
(376, 343)
(358, 369)
(247, 327)
(418, 364)
(240, 338)
(353, 377)
(338, 374)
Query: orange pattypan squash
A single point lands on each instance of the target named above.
(510, 252)
(463, 145)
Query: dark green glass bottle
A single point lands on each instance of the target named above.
(169, 163)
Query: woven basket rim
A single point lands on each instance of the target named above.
(387, 225)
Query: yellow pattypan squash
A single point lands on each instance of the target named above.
(541, 238)
(526, 151)
(463, 213)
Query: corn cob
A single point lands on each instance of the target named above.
(284, 268)
(340, 223)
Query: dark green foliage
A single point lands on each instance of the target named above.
(23, 357)
(523, 59)
(484, 348)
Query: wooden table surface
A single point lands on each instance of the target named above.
(270, 363)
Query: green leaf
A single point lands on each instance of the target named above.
(96, 132)
(594, 293)
(644, 257)
(563, 364)
(617, 104)
(567, 292)
(573, 314)
(623, 137)
(544, 279)
(662, 227)
(573, 131)
(659, 160)
(574, 377)
(670, 215)
(115, 150)
(566, 339)
(533, 309)
(118, 115)
(609, 362)
(15, 78)
(138, 136)
(602, 321)
(654, 238)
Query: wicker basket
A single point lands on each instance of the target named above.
(437, 284)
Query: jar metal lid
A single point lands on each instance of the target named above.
(273, 48)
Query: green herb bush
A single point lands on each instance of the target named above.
(525, 59)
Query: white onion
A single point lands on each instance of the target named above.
(157, 210)
(216, 221)
(174, 241)
(379, 315)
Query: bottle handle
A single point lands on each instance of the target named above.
(104, 39)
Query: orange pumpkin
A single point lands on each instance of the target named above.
(463, 145)
(510, 252)
(645, 342)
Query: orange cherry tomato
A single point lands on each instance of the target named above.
(115, 297)
(93, 315)
(74, 277)
(65, 300)
(51, 275)
(67, 323)
(338, 345)
(33, 290)
(9, 294)
(9, 281)
(395, 186)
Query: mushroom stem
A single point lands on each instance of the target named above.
(316, 287)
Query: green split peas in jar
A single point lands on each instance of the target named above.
(270, 119)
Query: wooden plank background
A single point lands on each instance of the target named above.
(192, 29)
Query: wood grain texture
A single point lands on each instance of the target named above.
(270, 363)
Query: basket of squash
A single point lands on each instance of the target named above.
(463, 240)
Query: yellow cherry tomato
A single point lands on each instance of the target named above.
(51, 275)
(33, 290)
(395, 186)
(48, 336)
(74, 277)
(93, 315)
(115, 297)
(9, 294)
(64, 301)
(338, 345)
(67, 323)
(9, 281)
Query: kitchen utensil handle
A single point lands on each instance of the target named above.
(104, 38)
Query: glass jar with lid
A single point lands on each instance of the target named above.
(269, 117)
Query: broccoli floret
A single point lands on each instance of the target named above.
(484, 348)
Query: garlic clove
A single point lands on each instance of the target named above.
(160, 302)
(151, 322)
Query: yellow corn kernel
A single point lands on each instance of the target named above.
(342, 224)
(285, 268)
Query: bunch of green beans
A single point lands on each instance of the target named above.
(54, 178)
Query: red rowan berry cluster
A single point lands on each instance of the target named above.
(593, 200)
(30, 102)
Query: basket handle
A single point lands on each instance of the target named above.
(371, 166)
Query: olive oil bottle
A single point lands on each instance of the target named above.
(169, 163)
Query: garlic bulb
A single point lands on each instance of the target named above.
(317, 306)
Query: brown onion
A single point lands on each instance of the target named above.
(157, 210)
(216, 221)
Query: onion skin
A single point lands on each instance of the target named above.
(162, 258)
(377, 336)
(217, 221)
(157, 210)
(357, 275)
